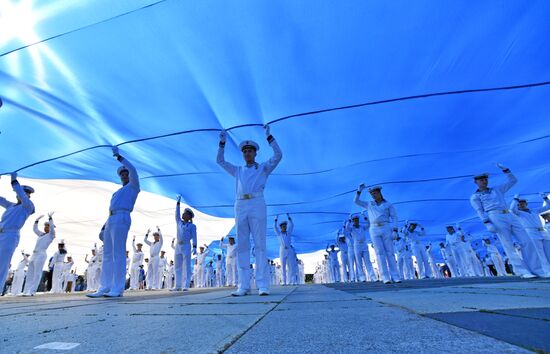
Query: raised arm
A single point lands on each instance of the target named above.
(220, 159)
(35, 226)
(511, 179)
(276, 226)
(25, 201)
(161, 240)
(290, 227)
(277, 152)
(132, 172)
(145, 240)
(134, 244)
(357, 199)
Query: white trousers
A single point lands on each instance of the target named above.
(362, 257)
(231, 271)
(424, 270)
(385, 255)
(508, 227)
(8, 244)
(498, 263)
(344, 261)
(34, 272)
(113, 268)
(182, 267)
(17, 283)
(134, 276)
(57, 278)
(251, 220)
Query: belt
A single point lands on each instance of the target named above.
(154, 256)
(378, 223)
(38, 251)
(121, 211)
(180, 242)
(505, 211)
(249, 196)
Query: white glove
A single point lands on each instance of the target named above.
(502, 167)
(361, 187)
(50, 214)
(115, 150)
(543, 195)
(13, 176)
(267, 130)
(516, 196)
(179, 198)
(38, 218)
(491, 228)
(223, 136)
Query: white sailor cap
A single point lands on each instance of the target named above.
(412, 223)
(375, 188)
(481, 175)
(249, 143)
(187, 210)
(120, 169)
(61, 242)
(28, 189)
(450, 225)
(522, 200)
(283, 223)
(355, 216)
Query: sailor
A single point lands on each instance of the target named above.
(250, 209)
(230, 261)
(58, 264)
(358, 232)
(137, 263)
(344, 257)
(333, 262)
(12, 221)
(201, 266)
(383, 230)
(454, 243)
(163, 264)
(154, 249)
(92, 272)
(284, 233)
(496, 258)
(418, 249)
(185, 247)
(39, 256)
(113, 270)
(449, 259)
(19, 275)
(490, 205)
(539, 236)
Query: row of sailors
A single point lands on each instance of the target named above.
(205, 274)
(517, 223)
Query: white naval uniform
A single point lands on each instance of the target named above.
(230, 264)
(92, 273)
(19, 276)
(449, 260)
(201, 269)
(58, 263)
(38, 258)
(419, 251)
(334, 264)
(12, 221)
(461, 258)
(286, 254)
(163, 263)
(539, 236)
(382, 216)
(186, 238)
(154, 249)
(219, 273)
(494, 255)
(404, 258)
(137, 262)
(361, 251)
(67, 276)
(170, 276)
(344, 258)
(113, 269)
(436, 272)
(490, 205)
(353, 276)
(250, 214)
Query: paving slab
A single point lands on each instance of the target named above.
(518, 327)
(358, 326)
